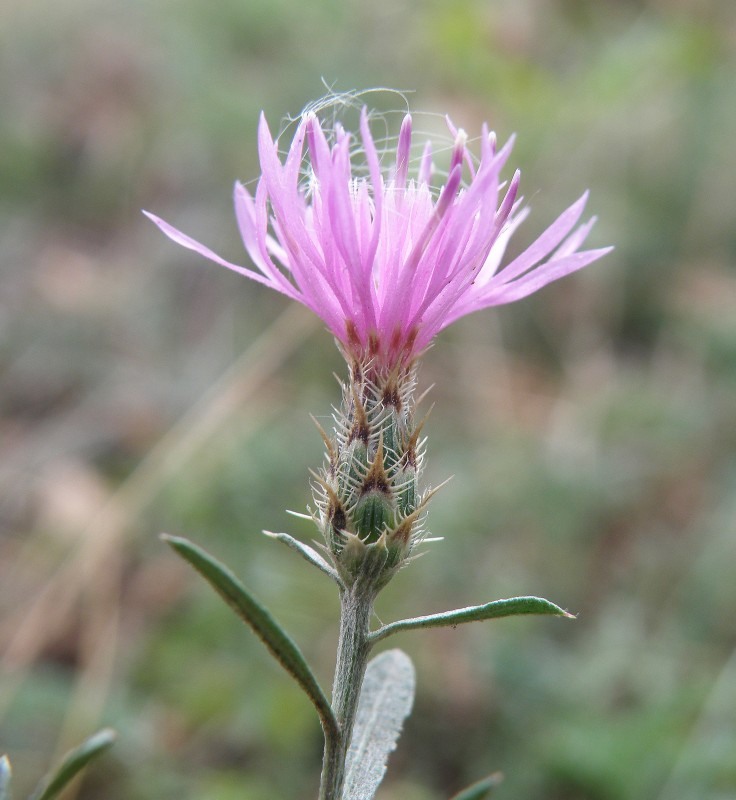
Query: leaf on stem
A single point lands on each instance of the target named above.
(5, 775)
(498, 608)
(308, 553)
(479, 790)
(74, 761)
(278, 642)
(386, 698)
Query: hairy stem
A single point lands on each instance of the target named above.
(356, 607)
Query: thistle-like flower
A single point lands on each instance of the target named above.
(387, 261)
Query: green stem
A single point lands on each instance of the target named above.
(356, 608)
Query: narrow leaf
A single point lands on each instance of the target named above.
(481, 789)
(308, 553)
(5, 775)
(74, 761)
(278, 642)
(386, 699)
(498, 608)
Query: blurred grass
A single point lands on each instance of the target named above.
(590, 429)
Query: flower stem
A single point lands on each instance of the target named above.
(356, 607)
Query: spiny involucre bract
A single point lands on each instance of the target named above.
(369, 504)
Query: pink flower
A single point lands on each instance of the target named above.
(384, 259)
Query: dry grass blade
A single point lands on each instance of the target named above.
(25, 633)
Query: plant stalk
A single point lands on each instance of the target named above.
(356, 608)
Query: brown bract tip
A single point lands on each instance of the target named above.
(402, 532)
(329, 446)
(361, 427)
(376, 479)
(391, 395)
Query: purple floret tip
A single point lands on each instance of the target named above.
(383, 258)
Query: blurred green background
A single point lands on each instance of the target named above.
(591, 429)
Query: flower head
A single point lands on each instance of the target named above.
(382, 257)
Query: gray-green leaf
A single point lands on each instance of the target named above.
(481, 789)
(5, 775)
(257, 617)
(498, 608)
(386, 699)
(308, 553)
(74, 761)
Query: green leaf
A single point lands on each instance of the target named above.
(386, 698)
(308, 553)
(5, 775)
(74, 761)
(481, 789)
(278, 642)
(498, 608)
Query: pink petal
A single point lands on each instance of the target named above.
(545, 243)
(186, 241)
(425, 165)
(402, 153)
(245, 214)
